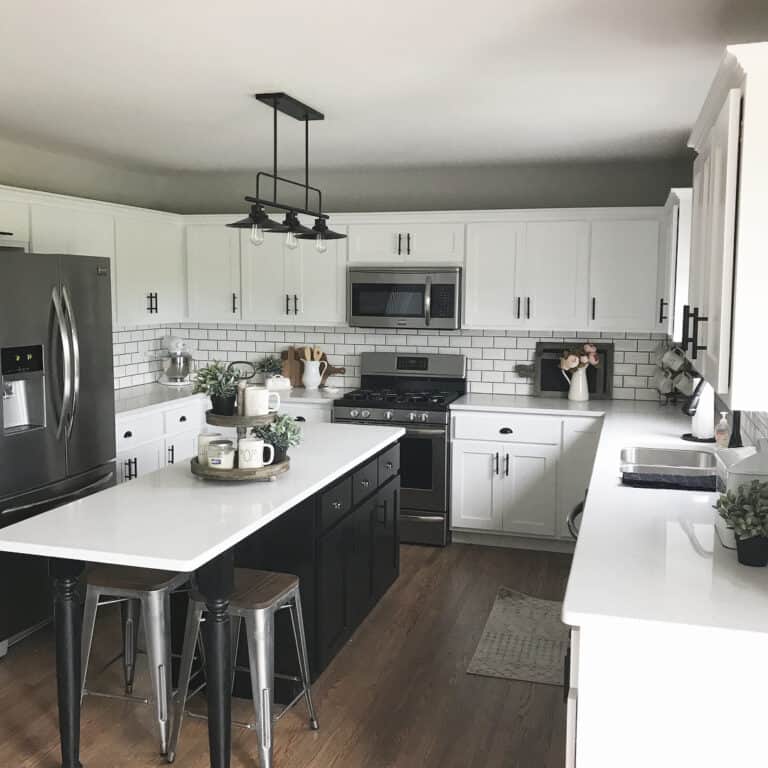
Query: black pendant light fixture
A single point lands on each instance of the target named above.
(257, 220)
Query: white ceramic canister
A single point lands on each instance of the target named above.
(250, 453)
(313, 373)
(203, 440)
(221, 454)
(259, 401)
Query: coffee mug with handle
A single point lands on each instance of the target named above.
(250, 453)
(259, 401)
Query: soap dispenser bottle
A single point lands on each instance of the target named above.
(723, 431)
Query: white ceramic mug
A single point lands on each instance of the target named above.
(259, 401)
(313, 373)
(203, 440)
(250, 453)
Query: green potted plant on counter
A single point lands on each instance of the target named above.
(219, 382)
(746, 512)
(283, 433)
(269, 366)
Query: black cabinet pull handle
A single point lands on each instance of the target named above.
(132, 465)
(127, 433)
(662, 316)
(594, 307)
(300, 418)
(496, 468)
(695, 346)
(149, 303)
(517, 314)
(234, 303)
(506, 465)
(336, 505)
(686, 337)
(287, 304)
(182, 419)
(527, 307)
(171, 454)
(295, 304)
(381, 513)
(399, 243)
(408, 244)
(506, 431)
(157, 304)
(365, 483)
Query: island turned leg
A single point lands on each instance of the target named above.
(68, 621)
(215, 582)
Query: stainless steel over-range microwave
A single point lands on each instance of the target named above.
(404, 297)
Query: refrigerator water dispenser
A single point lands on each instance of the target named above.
(23, 388)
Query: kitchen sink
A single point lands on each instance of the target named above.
(678, 468)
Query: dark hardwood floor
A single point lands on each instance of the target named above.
(397, 696)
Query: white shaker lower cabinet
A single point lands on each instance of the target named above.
(308, 413)
(181, 447)
(140, 461)
(476, 496)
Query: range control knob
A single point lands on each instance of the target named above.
(424, 417)
(388, 415)
(365, 414)
(354, 413)
(411, 417)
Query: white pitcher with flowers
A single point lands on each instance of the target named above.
(576, 362)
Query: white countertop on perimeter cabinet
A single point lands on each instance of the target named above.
(146, 395)
(173, 521)
(311, 396)
(646, 554)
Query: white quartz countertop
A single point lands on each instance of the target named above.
(647, 554)
(171, 520)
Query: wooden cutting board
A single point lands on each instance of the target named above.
(293, 368)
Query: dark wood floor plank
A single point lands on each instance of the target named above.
(397, 696)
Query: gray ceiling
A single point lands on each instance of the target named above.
(166, 85)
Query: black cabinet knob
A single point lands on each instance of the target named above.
(182, 419)
(365, 483)
(336, 505)
(300, 418)
(506, 431)
(127, 434)
(389, 466)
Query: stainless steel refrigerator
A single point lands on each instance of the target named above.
(57, 421)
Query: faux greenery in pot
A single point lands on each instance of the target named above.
(219, 382)
(270, 365)
(283, 433)
(746, 512)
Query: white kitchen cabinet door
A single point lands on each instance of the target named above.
(581, 436)
(376, 243)
(622, 275)
(213, 273)
(180, 448)
(75, 230)
(262, 268)
(308, 413)
(552, 274)
(320, 281)
(140, 461)
(490, 290)
(14, 218)
(438, 243)
(529, 480)
(149, 259)
(714, 333)
(476, 485)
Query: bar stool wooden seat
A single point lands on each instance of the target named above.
(144, 595)
(256, 598)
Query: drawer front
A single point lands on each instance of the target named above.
(310, 414)
(508, 428)
(134, 430)
(389, 464)
(183, 418)
(365, 481)
(335, 503)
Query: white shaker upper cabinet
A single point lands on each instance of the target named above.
(552, 275)
(406, 243)
(149, 271)
(622, 275)
(265, 298)
(14, 218)
(322, 282)
(490, 288)
(213, 272)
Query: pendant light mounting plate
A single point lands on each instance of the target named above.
(286, 104)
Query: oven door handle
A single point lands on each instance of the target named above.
(416, 432)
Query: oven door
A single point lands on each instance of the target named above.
(424, 470)
(403, 299)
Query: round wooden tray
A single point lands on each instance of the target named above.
(262, 474)
(217, 420)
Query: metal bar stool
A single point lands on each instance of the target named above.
(257, 597)
(144, 596)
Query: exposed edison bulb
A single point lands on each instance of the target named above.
(291, 241)
(320, 244)
(257, 235)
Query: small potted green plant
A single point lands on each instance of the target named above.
(283, 433)
(746, 512)
(219, 382)
(269, 366)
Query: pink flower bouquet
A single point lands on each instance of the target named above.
(571, 359)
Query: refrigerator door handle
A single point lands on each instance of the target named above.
(61, 497)
(75, 341)
(66, 395)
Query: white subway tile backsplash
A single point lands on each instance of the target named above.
(493, 356)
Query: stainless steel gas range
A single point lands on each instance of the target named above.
(414, 391)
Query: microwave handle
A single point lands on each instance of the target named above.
(428, 301)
